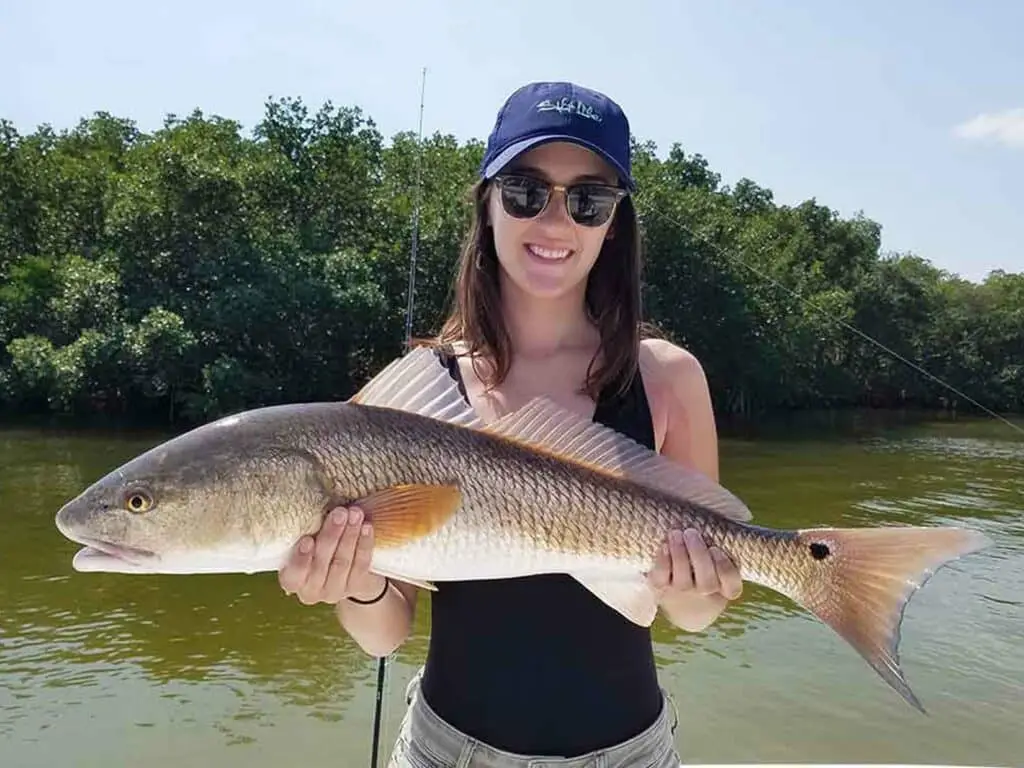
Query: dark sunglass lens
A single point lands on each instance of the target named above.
(591, 206)
(522, 197)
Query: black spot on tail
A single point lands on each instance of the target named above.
(820, 551)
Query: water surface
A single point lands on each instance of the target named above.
(224, 670)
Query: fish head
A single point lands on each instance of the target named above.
(230, 496)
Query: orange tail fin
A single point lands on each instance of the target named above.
(869, 576)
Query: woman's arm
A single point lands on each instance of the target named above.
(696, 582)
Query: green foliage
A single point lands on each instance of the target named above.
(194, 271)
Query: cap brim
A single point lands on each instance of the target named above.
(513, 151)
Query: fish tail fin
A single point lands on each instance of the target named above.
(866, 577)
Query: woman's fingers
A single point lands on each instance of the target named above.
(705, 577)
(293, 574)
(682, 566)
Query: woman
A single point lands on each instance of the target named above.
(547, 303)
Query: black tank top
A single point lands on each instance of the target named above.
(539, 665)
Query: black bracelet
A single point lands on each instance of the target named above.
(377, 599)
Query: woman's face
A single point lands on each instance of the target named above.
(550, 255)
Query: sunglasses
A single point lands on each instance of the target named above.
(589, 204)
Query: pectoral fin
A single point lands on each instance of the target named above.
(404, 513)
(630, 596)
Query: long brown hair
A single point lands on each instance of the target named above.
(613, 301)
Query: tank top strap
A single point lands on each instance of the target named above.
(628, 412)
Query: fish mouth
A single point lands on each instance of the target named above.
(100, 556)
(94, 549)
(99, 547)
(69, 524)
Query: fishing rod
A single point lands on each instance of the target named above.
(382, 661)
(849, 326)
(415, 218)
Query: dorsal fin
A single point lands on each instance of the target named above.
(418, 383)
(544, 425)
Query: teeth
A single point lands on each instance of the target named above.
(551, 254)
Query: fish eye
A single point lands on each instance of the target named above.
(138, 502)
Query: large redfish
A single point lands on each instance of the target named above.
(541, 490)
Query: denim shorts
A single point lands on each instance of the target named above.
(427, 741)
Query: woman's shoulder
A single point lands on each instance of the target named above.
(670, 364)
(680, 401)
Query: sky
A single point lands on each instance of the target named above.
(910, 112)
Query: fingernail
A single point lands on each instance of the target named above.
(305, 545)
(692, 535)
(339, 516)
(355, 515)
(677, 537)
(365, 529)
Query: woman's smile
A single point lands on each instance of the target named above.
(548, 255)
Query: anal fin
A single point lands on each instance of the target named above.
(631, 596)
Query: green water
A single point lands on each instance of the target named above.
(109, 670)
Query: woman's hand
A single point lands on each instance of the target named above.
(334, 564)
(695, 582)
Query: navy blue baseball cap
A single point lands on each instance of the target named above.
(556, 111)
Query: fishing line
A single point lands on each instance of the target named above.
(849, 326)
